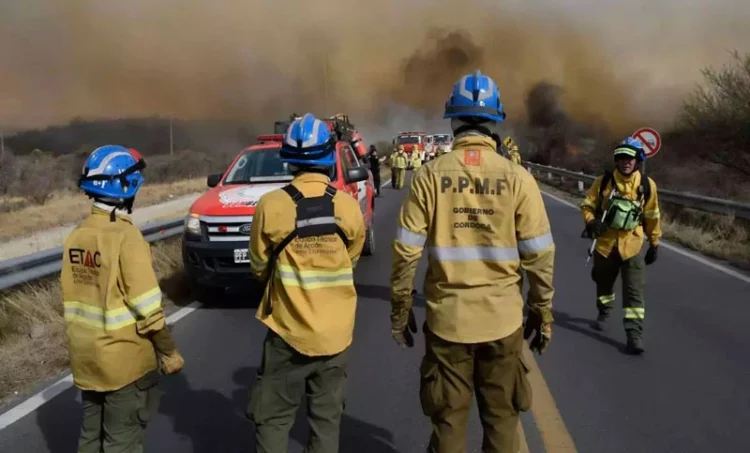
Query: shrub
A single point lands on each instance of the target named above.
(719, 112)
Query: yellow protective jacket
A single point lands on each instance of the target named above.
(515, 156)
(629, 243)
(480, 217)
(112, 302)
(416, 161)
(312, 296)
(399, 159)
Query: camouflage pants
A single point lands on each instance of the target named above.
(451, 375)
(284, 378)
(115, 422)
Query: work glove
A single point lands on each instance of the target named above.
(595, 228)
(652, 254)
(169, 357)
(171, 363)
(403, 325)
(535, 323)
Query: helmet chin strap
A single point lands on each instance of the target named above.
(116, 203)
(477, 125)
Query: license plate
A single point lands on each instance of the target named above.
(240, 256)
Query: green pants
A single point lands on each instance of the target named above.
(398, 175)
(451, 375)
(284, 378)
(115, 422)
(605, 274)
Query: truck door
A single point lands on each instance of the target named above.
(359, 189)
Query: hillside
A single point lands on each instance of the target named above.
(707, 150)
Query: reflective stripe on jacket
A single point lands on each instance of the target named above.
(479, 216)
(112, 302)
(629, 243)
(312, 299)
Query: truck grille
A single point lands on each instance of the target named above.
(227, 228)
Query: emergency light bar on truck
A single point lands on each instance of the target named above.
(272, 138)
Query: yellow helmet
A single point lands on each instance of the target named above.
(400, 147)
(508, 142)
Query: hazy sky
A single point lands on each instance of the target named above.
(625, 61)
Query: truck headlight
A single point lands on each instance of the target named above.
(193, 224)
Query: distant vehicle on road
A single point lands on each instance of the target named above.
(217, 228)
(413, 142)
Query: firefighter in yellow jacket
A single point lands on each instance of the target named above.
(399, 162)
(482, 220)
(416, 159)
(115, 326)
(305, 241)
(620, 209)
(513, 153)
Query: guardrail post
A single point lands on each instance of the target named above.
(580, 183)
(549, 175)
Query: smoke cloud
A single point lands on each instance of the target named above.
(384, 63)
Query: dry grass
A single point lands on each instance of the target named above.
(720, 237)
(66, 208)
(32, 330)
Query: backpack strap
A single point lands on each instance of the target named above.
(296, 196)
(331, 192)
(293, 192)
(606, 179)
(645, 191)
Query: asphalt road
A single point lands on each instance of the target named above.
(687, 393)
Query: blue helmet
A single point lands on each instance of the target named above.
(112, 172)
(308, 142)
(631, 147)
(475, 95)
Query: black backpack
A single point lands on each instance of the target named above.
(315, 217)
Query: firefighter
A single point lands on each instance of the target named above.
(416, 160)
(399, 162)
(512, 150)
(115, 326)
(305, 241)
(618, 209)
(482, 219)
(375, 168)
(513, 154)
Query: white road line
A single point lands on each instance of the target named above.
(731, 272)
(34, 402)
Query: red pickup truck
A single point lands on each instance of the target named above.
(217, 228)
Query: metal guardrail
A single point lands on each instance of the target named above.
(24, 269)
(689, 200)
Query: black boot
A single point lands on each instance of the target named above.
(601, 321)
(634, 346)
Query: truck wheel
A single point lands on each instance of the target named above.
(369, 247)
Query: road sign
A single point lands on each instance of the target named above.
(651, 140)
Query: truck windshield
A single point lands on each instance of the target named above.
(263, 165)
(442, 138)
(408, 140)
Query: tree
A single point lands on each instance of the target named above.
(719, 112)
